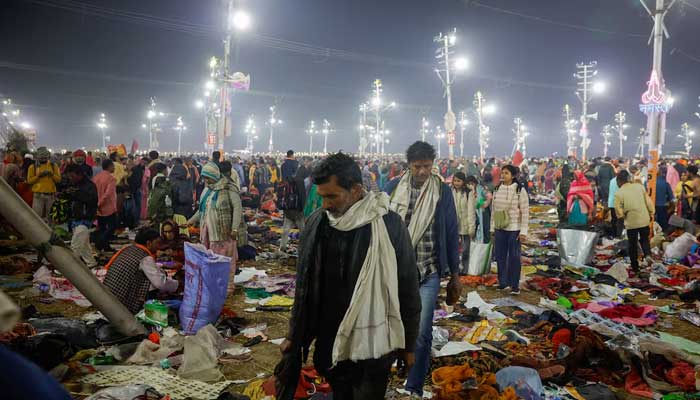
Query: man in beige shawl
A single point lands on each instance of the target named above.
(357, 289)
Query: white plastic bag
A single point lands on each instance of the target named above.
(479, 258)
(680, 246)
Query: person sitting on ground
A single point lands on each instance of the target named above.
(132, 273)
(171, 245)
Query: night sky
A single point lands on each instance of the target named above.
(66, 65)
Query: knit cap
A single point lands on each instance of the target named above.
(211, 171)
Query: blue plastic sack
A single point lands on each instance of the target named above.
(525, 381)
(206, 282)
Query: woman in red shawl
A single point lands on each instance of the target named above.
(580, 202)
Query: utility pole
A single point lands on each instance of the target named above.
(463, 122)
(640, 145)
(620, 127)
(479, 103)
(251, 133)
(272, 122)
(327, 130)
(224, 99)
(102, 126)
(584, 75)
(179, 128)
(656, 101)
(378, 110)
(687, 135)
(606, 134)
(424, 128)
(311, 131)
(518, 130)
(364, 107)
(570, 127)
(152, 126)
(438, 138)
(449, 69)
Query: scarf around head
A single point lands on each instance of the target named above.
(424, 209)
(581, 188)
(372, 325)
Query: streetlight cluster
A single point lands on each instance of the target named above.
(12, 120)
(375, 136)
(251, 134)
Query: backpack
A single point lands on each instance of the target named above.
(60, 210)
(288, 196)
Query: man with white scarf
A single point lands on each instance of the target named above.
(356, 293)
(426, 204)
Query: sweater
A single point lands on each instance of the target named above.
(43, 184)
(106, 186)
(634, 205)
(466, 211)
(507, 198)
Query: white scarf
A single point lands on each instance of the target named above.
(423, 211)
(372, 326)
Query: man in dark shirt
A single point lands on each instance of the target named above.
(289, 166)
(332, 257)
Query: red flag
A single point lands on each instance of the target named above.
(134, 146)
(517, 158)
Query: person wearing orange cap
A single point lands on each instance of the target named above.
(79, 159)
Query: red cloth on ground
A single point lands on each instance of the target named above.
(682, 375)
(634, 384)
(673, 282)
(623, 310)
(562, 336)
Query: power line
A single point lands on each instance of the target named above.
(550, 21)
(266, 41)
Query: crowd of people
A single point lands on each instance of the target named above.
(370, 262)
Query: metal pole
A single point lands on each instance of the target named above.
(272, 123)
(462, 127)
(223, 118)
(448, 88)
(584, 118)
(35, 231)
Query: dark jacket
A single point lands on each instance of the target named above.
(606, 173)
(183, 191)
(302, 324)
(445, 229)
(83, 198)
(664, 194)
(289, 168)
(135, 179)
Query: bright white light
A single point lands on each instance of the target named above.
(25, 125)
(199, 104)
(599, 87)
(691, 133)
(671, 101)
(241, 20)
(209, 85)
(461, 64)
(213, 62)
(489, 109)
(161, 114)
(143, 126)
(376, 101)
(151, 114)
(393, 104)
(453, 39)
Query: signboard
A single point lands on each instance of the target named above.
(211, 140)
(451, 138)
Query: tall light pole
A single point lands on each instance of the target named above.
(439, 135)
(519, 131)
(640, 144)
(463, 122)
(251, 134)
(179, 128)
(272, 122)
(379, 108)
(152, 115)
(327, 130)
(311, 131)
(481, 108)
(585, 74)
(687, 135)
(102, 126)
(424, 128)
(236, 20)
(620, 127)
(364, 131)
(570, 127)
(448, 68)
(656, 101)
(606, 134)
